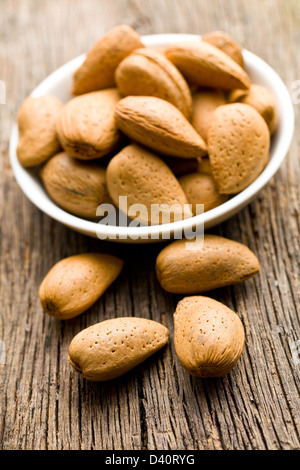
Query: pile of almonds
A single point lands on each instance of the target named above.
(209, 337)
(174, 127)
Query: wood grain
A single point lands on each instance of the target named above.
(44, 405)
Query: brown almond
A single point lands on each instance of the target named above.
(238, 145)
(205, 65)
(260, 99)
(205, 102)
(145, 179)
(209, 337)
(77, 186)
(157, 124)
(187, 267)
(37, 129)
(113, 347)
(201, 188)
(146, 72)
(98, 69)
(75, 283)
(86, 125)
(225, 43)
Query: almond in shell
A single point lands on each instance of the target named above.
(201, 188)
(159, 125)
(86, 125)
(146, 72)
(239, 145)
(261, 99)
(113, 347)
(189, 267)
(75, 283)
(225, 43)
(75, 185)
(98, 69)
(205, 102)
(209, 337)
(205, 65)
(38, 139)
(146, 180)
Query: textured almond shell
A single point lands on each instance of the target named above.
(86, 125)
(204, 105)
(146, 72)
(205, 65)
(225, 43)
(111, 348)
(75, 283)
(209, 337)
(238, 146)
(201, 188)
(77, 186)
(98, 69)
(260, 99)
(157, 124)
(185, 268)
(145, 179)
(38, 139)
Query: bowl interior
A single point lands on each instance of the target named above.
(59, 84)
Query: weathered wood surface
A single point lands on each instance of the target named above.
(44, 404)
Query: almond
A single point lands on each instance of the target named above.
(260, 99)
(37, 129)
(98, 69)
(86, 125)
(204, 105)
(146, 72)
(75, 283)
(205, 65)
(75, 185)
(239, 144)
(146, 179)
(185, 268)
(113, 347)
(225, 43)
(201, 188)
(209, 337)
(157, 124)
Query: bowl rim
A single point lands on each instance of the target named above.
(156, 232)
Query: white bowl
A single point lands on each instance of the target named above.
(59, 84)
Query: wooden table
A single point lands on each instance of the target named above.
(44, 404)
